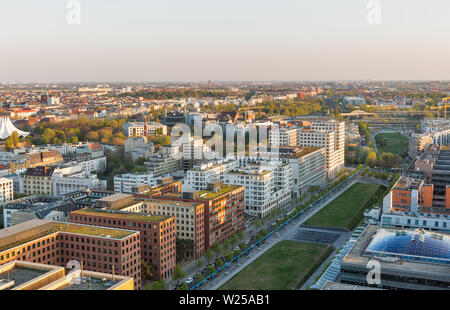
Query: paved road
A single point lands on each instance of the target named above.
(286, 233)
(192, 269)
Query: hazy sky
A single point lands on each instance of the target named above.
(179, 40)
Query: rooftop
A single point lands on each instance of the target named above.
(94, 231)
(397, 265)
(114, 197)
(406, 183)
(17, 235)
(121, 215)
(207, 194)
(417, 245)
(20, 275)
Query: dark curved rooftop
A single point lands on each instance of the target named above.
(411, 245)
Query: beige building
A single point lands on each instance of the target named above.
(417, 143)
(38, 180)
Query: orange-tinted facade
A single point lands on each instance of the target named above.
(158, 241)
(96, 253)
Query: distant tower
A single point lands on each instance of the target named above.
(145, 125)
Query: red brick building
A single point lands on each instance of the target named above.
(98, 249)
(158, 241)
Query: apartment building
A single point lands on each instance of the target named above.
(21, 162)
(323, 133)
(38, 180)
(223, 207)
(37, 207)
(65, 183)
(193, 150)
(157, 234)
(261, 196)
(417, 143)
(138, 147)
(164, 186)
(284, 136)
(202, 174)
(100, 249)
(92, 165)
(124, 183)
(224, 211)
(161, 164)
(6, 190)
(136, 129)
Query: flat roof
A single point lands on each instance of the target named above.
(114, 197)
(125, 205)
(175, 203)
(406, 183)
(88, 283)
(15, 229)
(302, 151)
(122, 215)
(21, 275)
(55, 227)
(331, 286)
(208, 194)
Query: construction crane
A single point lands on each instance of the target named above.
(445, 106)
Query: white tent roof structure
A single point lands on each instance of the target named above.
(7, 127)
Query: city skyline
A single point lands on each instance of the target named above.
(199, 41)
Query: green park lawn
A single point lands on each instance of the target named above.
(286, 266)
(347, 209)
(395, 143)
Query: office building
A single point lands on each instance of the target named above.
(157, 239)
(100, 249)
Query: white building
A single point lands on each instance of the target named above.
(6, 190)
(283, 137)
(17, 182)
(329, 134)
(53, 101)
(138, 147)
(123, 183)
(64, 182)
(136, 129)
(6, 157)
(201, 174)
(265, 190)
(161, 164)
(92, 165)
